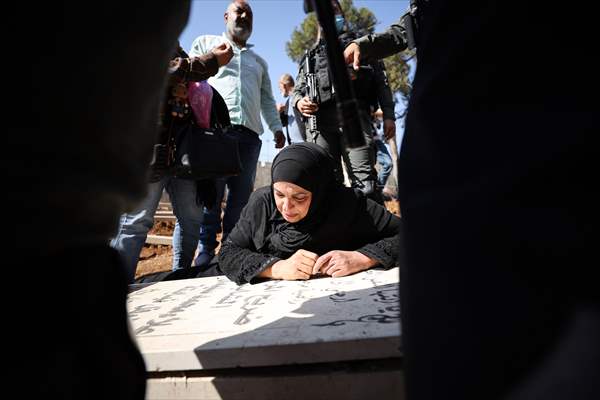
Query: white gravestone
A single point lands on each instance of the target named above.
(212, 323)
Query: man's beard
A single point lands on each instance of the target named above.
(238, 32)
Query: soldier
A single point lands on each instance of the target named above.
(369, 84)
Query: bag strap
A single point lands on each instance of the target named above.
(213, 114)
(171, 137)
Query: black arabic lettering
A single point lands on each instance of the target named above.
(151, 324)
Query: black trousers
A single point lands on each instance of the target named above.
(499, 300)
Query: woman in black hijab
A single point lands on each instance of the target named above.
(307, 224)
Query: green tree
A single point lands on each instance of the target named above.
(303, 38)
(362, 21)
(398, 69)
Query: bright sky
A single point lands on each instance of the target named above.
(274, 21)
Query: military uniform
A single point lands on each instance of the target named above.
(368, 86)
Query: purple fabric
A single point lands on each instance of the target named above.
(200, 96)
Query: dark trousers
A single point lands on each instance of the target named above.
(239, 189)
(360, 161)
(498, 295)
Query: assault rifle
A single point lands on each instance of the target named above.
(312, 88)
(410, 23)
(347, 105)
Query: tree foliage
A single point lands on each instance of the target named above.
(303, 38)
(398, 70)
(362, 21)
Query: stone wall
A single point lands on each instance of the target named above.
(263, 174)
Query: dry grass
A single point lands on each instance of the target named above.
(154, 258)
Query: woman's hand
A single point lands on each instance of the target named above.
(338, 263)
(298, 266)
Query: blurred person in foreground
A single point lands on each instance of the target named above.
(90, 133)
(495, 177)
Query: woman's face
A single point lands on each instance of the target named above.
(291, 200)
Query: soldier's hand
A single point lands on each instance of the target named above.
(223, 52)
(279, 140)
(389, 128)
(352, 55)
(307, 107)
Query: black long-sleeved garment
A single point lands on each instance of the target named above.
(353, 223)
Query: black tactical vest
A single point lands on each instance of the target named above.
(323, 74)
(363, 85)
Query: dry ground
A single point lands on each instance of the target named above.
(156, 258)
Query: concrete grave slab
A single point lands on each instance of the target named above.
(330, 381)
(212, 323)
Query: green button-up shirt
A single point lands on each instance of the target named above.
(244, 84)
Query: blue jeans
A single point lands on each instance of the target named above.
(239, 189)
(385, 161)
(134, 226)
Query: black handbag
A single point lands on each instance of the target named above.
(205, 153)
(201, 153)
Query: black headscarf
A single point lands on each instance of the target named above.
(311, 167)
(338, 218)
